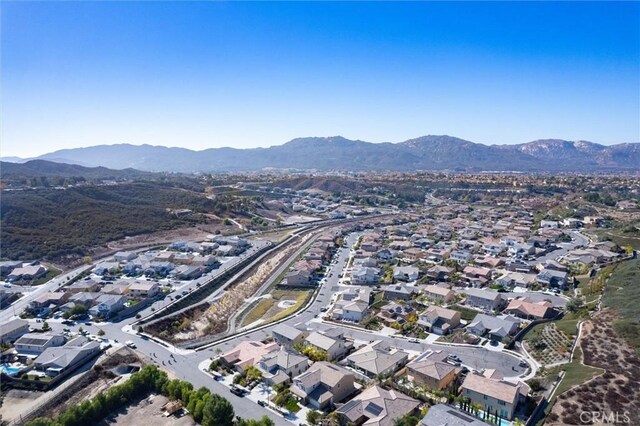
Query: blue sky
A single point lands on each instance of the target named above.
(201, 75)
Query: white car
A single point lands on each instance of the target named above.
(130, 344)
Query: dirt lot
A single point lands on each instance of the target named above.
(16, 402)
(76, 389)
(617, 390)
(147, 412)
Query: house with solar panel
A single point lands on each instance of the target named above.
(323, 385)
(377, 406)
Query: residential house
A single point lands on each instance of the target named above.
(437, 255)
(56, 360)
(188, 272)
(7, 266)
(377, 406)
(143, 290)
(495, 327)
(364, 275)
(405, 273)
(351, 309)
(298, 278)
(333, 344)
(287, 336)
(432, 370)
(484, 299)
(396, 312)
(48, 301)
(323, 385)
(105, 268)
(82, 286)
(524, 308)
(108, 305)
(13, 330)
(246, 354)
(461, 256)
(279, 367)
(120, 288)
(377, 359)
(553, 278)
(397, 292)
(439, 320)
(494, 394)
(29, 272)
(124, 256)
(413, 254)
(488, 261)
(516, 279)
(385, 254)
(439, 294)
(36, 343)
(439, 273)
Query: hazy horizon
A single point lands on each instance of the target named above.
(246, 75)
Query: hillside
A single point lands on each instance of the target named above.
(52, 173)
(57, 223)
(338, 153)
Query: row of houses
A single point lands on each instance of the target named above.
(102, 299)
(327, 385)
(306, 271)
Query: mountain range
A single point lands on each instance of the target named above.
(338, 153)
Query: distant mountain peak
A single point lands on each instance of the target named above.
(430, 152)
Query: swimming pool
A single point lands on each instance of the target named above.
(9, 370)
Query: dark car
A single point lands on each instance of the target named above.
(237, 391)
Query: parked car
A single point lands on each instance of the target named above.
(237, 391)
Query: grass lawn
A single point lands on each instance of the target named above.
(534, 332)
(292, 406)
(378, 300)
(568, 326)
(465, 313)
(51, 273)
(301, 298)
(258, 311)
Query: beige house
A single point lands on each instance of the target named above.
(437, 293)
(431, 370)
(323, 385)
(377, 406)
(494, 394)
(247, 354)
(439, 320)
(143, 290)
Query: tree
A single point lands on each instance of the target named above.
(101, 332)
(313, 417)
(45, 326)
(406, 420)
(574, 304)
(264, 421)
(217, 412)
